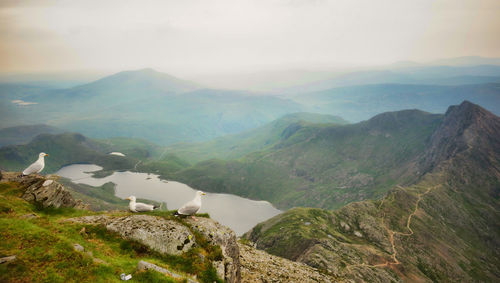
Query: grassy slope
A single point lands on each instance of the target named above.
(323, 165)
(44, 248)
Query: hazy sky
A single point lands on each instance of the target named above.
(201, 36)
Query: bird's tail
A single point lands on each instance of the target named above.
(158, 206)
(176, 213)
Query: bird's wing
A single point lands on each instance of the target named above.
(143, 207)
(189, 208)
(33, 168)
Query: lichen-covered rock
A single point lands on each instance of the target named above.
(161, 235)
(217, 234)
(44, 190)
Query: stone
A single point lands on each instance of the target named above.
(29, 216)
(217, 234)
(259, 266)
(78, 248)
(7, 259)
(164, 236)
(144, 265)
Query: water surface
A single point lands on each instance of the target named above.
(239, 214)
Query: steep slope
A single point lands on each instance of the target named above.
(238, 145)
(324, 165)
(443, 228)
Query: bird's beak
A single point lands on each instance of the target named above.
(46, 155)
(203, 194)
(128, 198)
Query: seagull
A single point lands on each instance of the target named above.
(37, 166)
(139, 206)
(192, 206)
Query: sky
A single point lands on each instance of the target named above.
(209, 36)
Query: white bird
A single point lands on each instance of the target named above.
(192, 206)
(37, 166)
(139, 206)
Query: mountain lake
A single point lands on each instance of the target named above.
(239, 214)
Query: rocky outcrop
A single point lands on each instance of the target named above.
(217, 234)
(164, 236)
(259, 266)
(171, 237)
(43, 190)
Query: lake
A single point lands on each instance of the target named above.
(239, 214)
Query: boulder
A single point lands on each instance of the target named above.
(217, 234)
(161, 235)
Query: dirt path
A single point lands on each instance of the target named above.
(391, 233)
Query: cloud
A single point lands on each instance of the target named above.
(192, 36)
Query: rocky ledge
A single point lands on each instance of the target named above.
(43, 190)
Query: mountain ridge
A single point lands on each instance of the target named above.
(442, 228)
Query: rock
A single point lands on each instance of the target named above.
(7, 259)
(29, 216)
(259, 266)
(217, 234)
(164, 236)
(358, 234)
(144, 265)
(46, 192)
(78, 248)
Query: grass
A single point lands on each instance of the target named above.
(44, 249)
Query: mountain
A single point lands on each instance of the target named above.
(357, 103)
(324, 165)
(238, 145)
(443, 228)
(466, 61)
(24, 134)
(420, 74)
(144, 104)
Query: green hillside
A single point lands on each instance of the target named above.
(238, 145)
(444, 228)
(324, 165)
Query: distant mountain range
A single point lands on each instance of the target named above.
(166, 110)
(442, 228)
